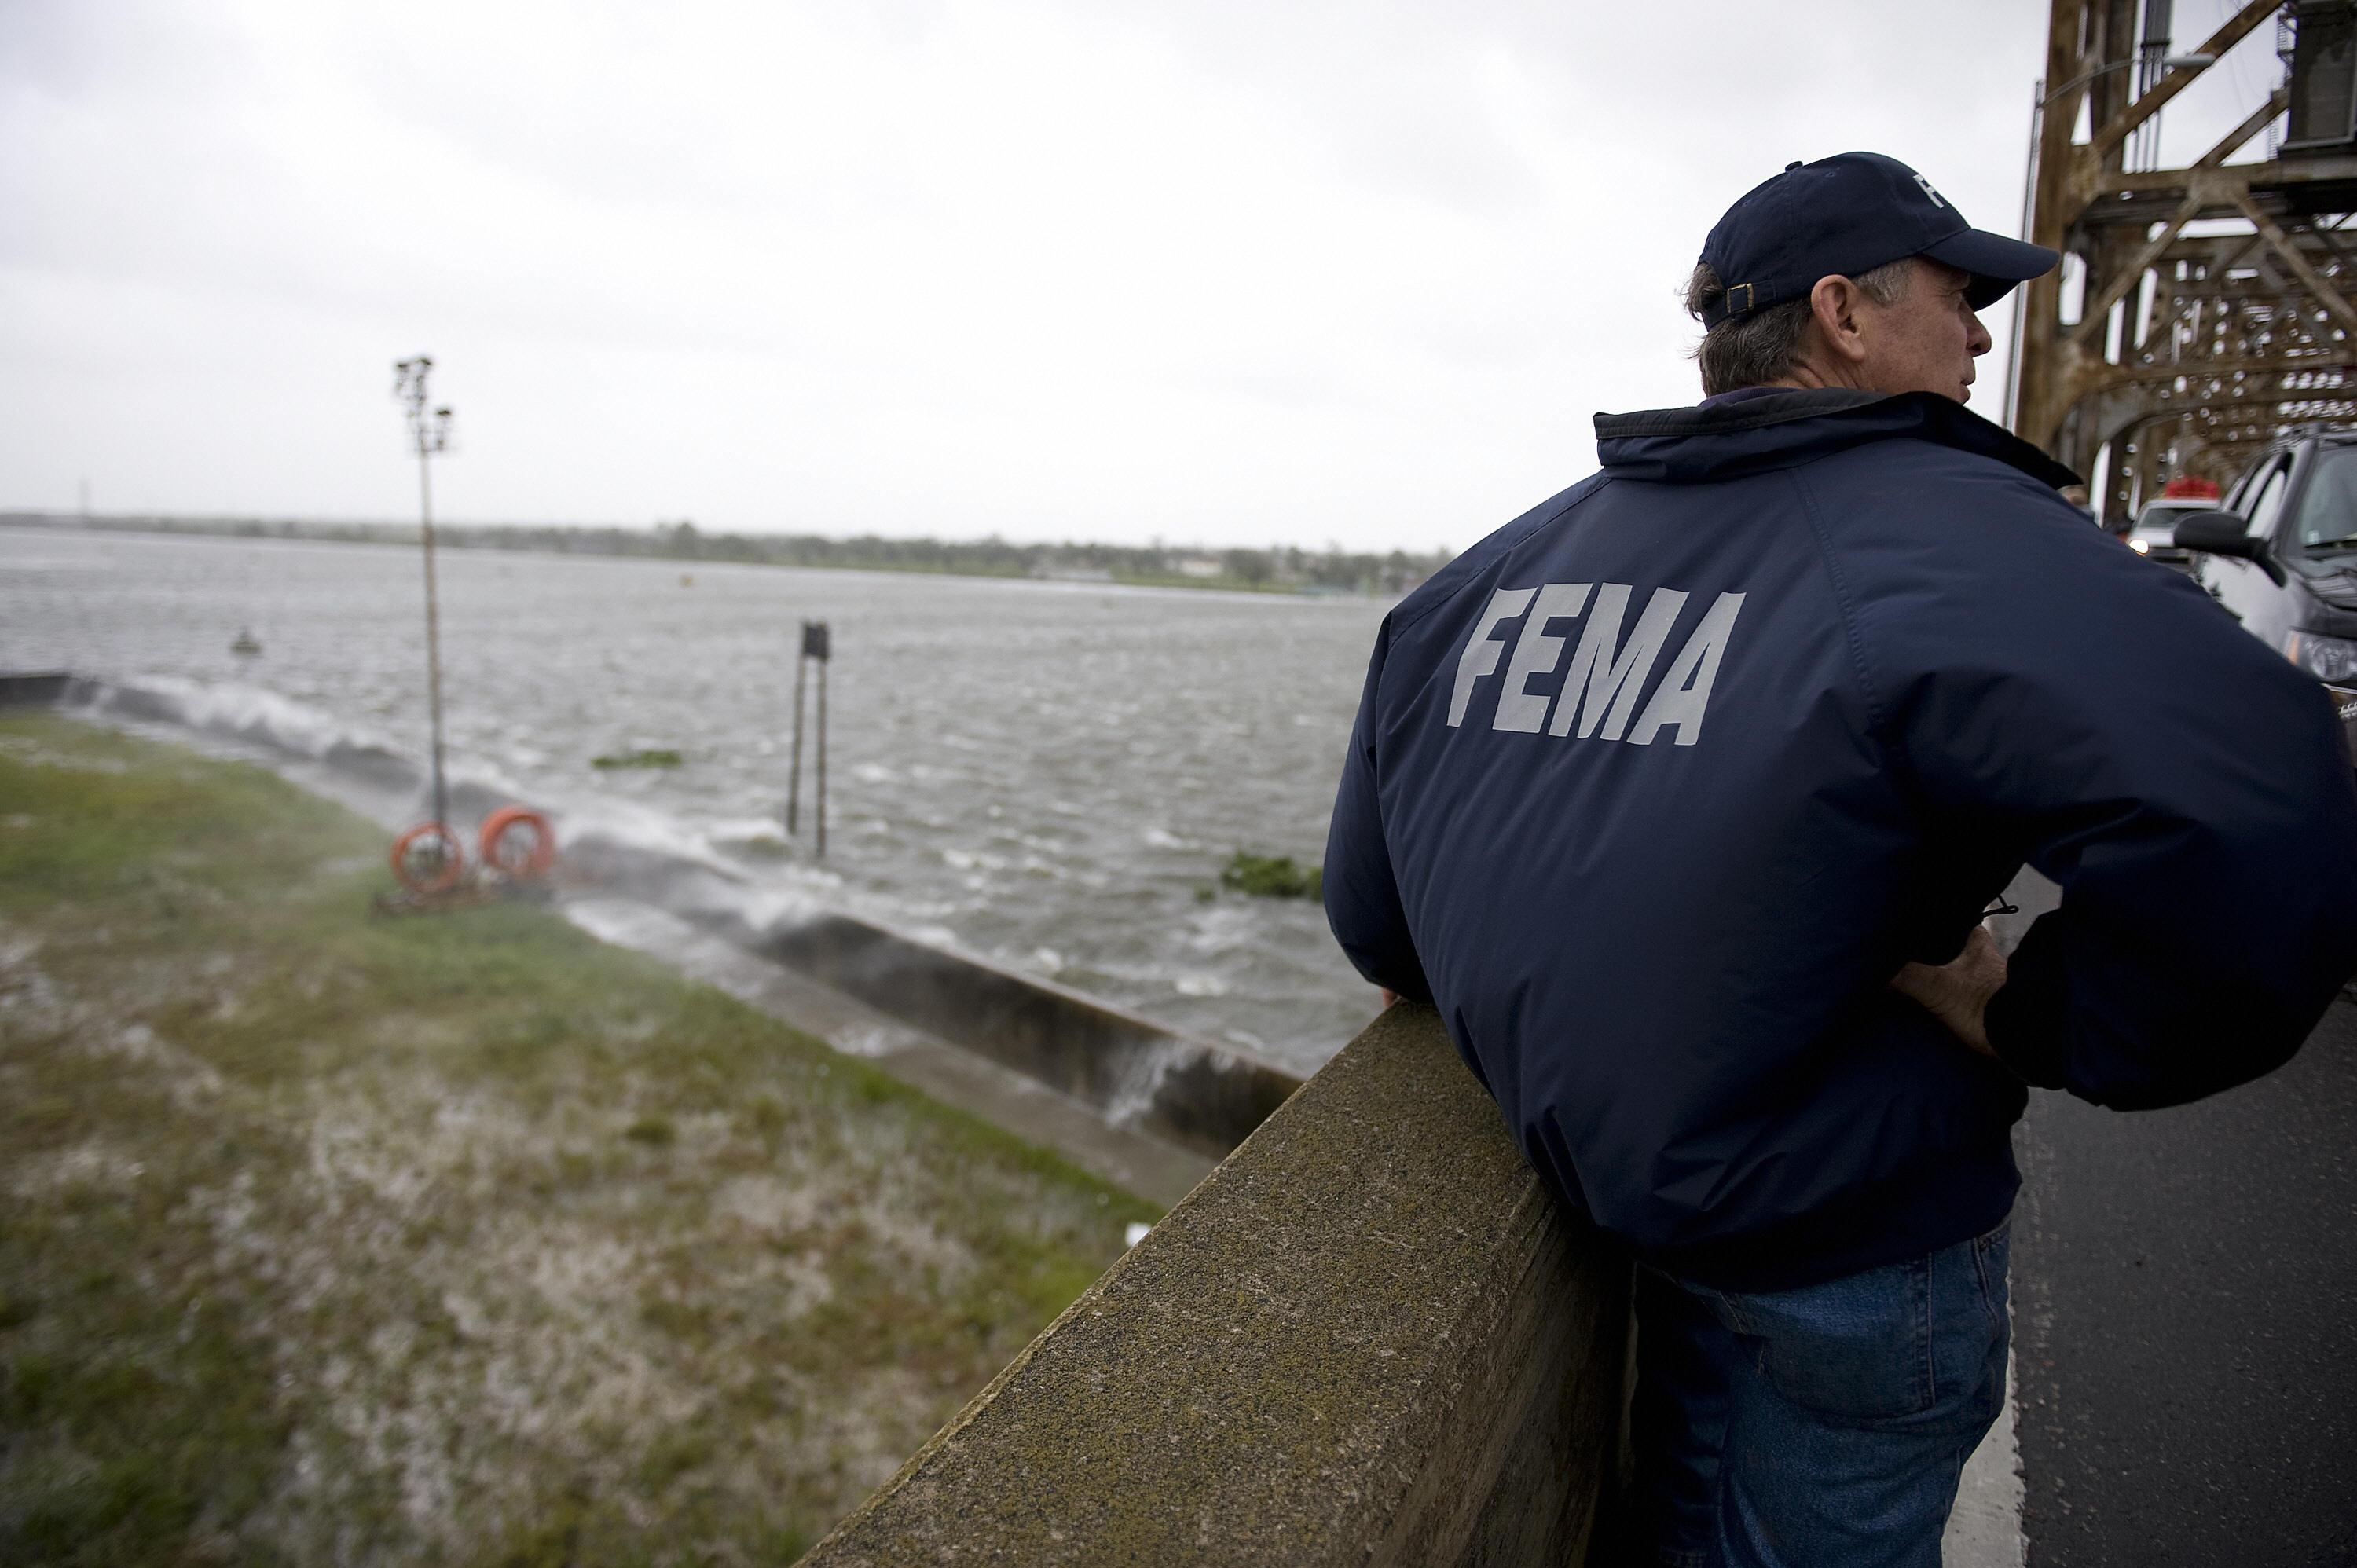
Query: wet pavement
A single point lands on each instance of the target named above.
(2185, 1292)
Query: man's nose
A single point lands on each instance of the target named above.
(1978, 341)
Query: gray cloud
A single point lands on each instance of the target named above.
(1223, 271)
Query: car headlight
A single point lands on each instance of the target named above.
(2326, 658)
(2139, 546)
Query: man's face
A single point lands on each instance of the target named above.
(1926, 340)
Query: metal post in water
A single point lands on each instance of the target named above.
(814, 647)
(430, 435)
(794, 769)
(823, 657)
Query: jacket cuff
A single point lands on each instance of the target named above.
(2026, 1032)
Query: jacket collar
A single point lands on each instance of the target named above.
(1685, 446)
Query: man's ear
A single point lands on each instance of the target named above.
(1832, 305)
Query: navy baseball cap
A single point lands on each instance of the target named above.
(1849, 214)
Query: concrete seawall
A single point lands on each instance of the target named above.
(33, 688)
(1137, 1073)
(1370, 1336)
(1134, 1073)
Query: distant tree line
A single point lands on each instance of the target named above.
(1281, 568)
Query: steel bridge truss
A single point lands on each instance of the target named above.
(2210, 307)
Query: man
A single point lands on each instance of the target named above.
(1682, 796)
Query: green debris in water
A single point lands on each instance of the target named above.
(1272, 876)
(759, 846)
(645, 756)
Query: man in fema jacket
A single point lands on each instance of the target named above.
(1681, 797)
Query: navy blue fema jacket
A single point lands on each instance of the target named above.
(1654, 789)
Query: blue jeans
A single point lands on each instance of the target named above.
(1823, 1427)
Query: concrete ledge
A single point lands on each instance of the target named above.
(1022, 1105)
(1196, 1095)
(33, 689)
(1185, 1091)
(1368, 1338)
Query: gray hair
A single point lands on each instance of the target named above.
(1757, 347)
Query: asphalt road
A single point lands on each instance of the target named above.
(2185, 1296)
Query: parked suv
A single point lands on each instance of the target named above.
(2281, 554)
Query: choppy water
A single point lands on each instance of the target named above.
(1045, 774)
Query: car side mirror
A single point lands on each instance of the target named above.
(2223, 533)
(2216, 533)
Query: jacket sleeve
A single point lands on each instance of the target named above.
(2102, 719)
(1362, 898)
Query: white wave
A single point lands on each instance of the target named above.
(770, 909)
(744, 830)
(628, 823)
(250, 714)
(585, 824)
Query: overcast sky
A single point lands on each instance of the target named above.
(1228, 271)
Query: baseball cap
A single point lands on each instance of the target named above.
(1849, 214)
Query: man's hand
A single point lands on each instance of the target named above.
(1957, 992)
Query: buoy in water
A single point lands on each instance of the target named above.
(245, 642)
(427, 859)
(518, 843)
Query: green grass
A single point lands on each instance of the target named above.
(460, 1239)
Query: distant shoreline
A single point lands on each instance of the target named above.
(1279, 570)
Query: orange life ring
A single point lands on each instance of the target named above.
(497, 848)
(444, 873)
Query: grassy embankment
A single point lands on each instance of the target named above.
(330, 1236)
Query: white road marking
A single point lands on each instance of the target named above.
(1985, 1530)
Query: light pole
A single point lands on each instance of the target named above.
(430, 433)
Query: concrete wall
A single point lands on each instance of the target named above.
(1368, 1338)
(1140, 1074)
(29, 688)
(1199, 1095)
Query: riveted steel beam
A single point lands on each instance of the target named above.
(2171, 327)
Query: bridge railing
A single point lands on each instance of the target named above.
(1369, 1337)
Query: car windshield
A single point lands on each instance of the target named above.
(2326, 519)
